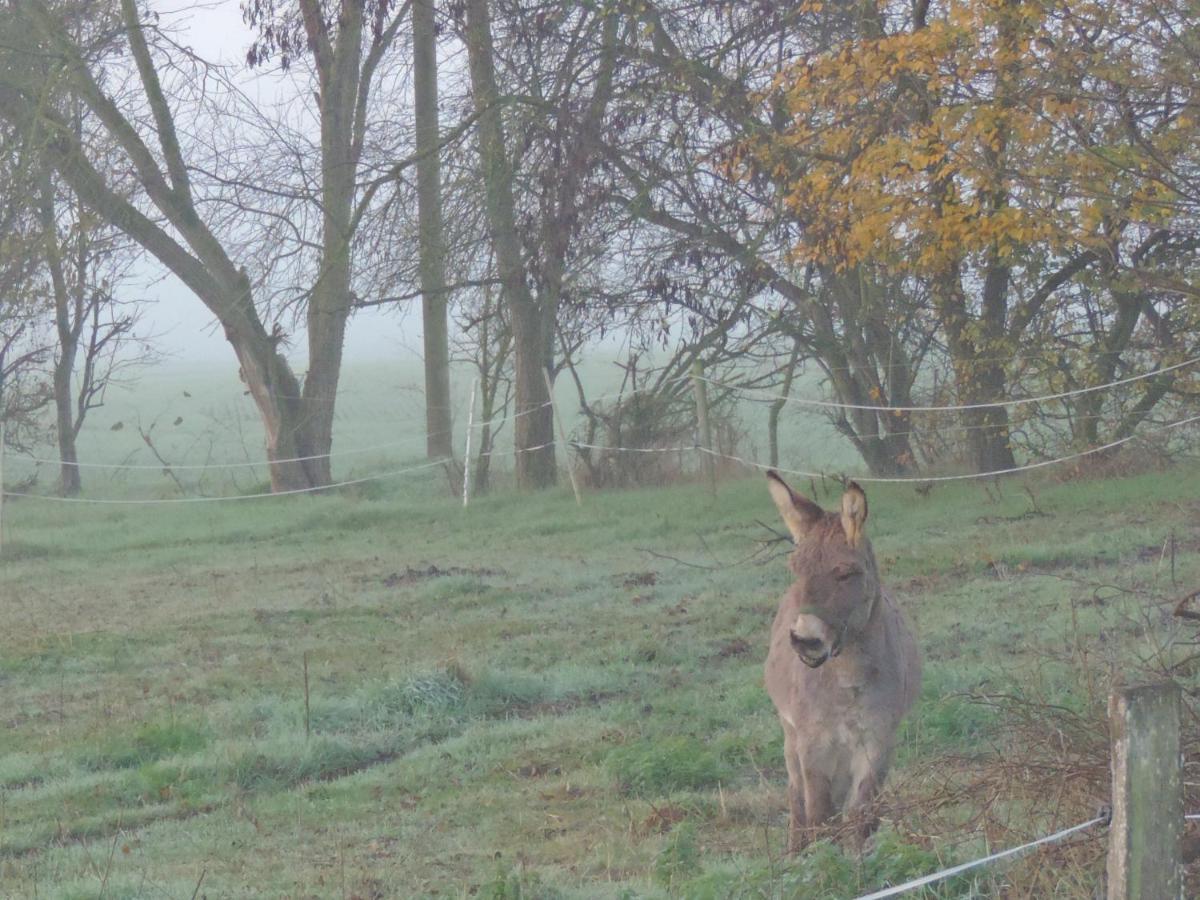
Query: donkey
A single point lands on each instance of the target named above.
(843, 667)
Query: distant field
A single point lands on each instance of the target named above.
(202, 416)
(531, 699)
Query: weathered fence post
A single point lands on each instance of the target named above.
(1147, 799)
(704, 426)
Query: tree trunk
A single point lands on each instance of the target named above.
(494, 342)
(850, 354)
(980, 378)
(989, 440)
(276, 392)
(980, 365)
(533, 429)
(980, 362)
(534, 425)
(68, 328)
(69, 482)
(483, 461)
(338, 64)
(434, 299)
(1086, 425)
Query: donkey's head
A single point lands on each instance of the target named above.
(837, 584)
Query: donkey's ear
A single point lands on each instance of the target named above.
(799, 513)
(854, 513)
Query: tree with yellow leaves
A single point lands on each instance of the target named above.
(987, 150)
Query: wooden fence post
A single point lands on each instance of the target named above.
(1147, 794)
(704, 426)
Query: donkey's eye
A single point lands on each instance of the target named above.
(847, 574)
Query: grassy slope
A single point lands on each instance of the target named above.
(535, 712)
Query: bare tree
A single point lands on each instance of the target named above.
(96, 338)
(24, 392)
(181, 238)
(188, 227)
(485, 343)
(529, 318)
(346, 43)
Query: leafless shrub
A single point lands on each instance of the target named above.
(634, 440)
(650, 438)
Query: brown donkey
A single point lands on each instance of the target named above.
(843, 667)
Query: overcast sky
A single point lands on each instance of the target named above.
(186, 331)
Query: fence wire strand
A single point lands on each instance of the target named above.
(161, 501)
(750, 463)
(996, 404)
(924, 479)
(963, 867)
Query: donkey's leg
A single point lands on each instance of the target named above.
(796, 822)
(868, 769)
(818, 797)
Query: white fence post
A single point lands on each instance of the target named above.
(704, 426)
(562, 438)
(1, 480)
(467, 449)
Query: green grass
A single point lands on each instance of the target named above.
(655, 767)
(823, 872)
(545, 719)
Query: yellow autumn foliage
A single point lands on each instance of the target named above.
(918, 148)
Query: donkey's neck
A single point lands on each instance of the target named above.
(856, 664)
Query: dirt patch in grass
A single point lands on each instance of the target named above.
(538, 770)
(1018, 517)
(560, 707)
(412, 575)
(353, 768)
(735, 647)
(639, 579)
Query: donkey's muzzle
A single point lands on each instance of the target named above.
(811, 650)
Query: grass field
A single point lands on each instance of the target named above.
(525, 698)
(381, 694)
